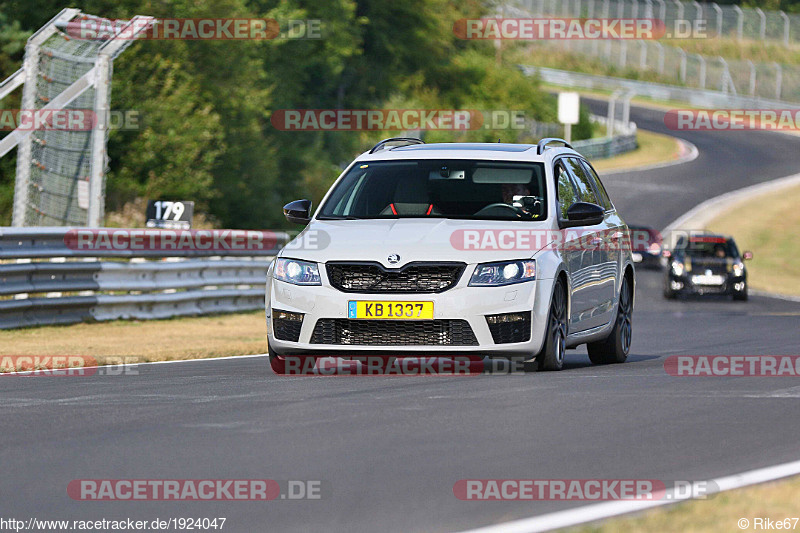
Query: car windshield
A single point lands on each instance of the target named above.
(485, 190)
(708, 248)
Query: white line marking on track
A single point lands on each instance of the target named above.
(600, 511)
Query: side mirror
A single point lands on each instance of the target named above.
(583, 214)
(747, 256)
(298, 211)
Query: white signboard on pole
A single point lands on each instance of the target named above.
(568, 112)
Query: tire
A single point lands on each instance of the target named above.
(740, 296)
(615, 347)
(669, 294)
(551, 357)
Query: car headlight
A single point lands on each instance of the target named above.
(297, 272)
(677, 268)
(738, 269)
(504, 273)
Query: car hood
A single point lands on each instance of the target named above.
(415, 239)
(717, 266)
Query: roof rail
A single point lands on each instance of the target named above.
(408, 140)
(542, 146)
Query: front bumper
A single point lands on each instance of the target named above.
(470, 304)
(684, 284)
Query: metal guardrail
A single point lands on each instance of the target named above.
(622, 140)
(43, 281)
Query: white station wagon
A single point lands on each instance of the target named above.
(446, 250)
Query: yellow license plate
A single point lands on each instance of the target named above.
(390, 310)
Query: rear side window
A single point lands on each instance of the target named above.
(582, 181)
(598, 185)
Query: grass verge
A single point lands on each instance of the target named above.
(151, 340)
(653, 148)
(719, 513)
(771, 236)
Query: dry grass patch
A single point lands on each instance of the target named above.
(720, 513)
(151, 340)
(767, 225)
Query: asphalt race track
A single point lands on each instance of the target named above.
(391, 448)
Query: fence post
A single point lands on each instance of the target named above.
(719, 18)
(590, 10)
(662, 11)
(679, 5)
(698, 14)
(752, 87)
(623, 53)
(683, 65)
(785, 18)
(626, 109)
(778, 80)
(643, 55)
(739, 22)
(762, 27)
(702, 61)
(660, 57)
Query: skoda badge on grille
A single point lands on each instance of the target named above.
(394, 259)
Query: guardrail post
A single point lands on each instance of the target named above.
(739, 22)
(762, 27)
(590, 10)
(719, 18)
(785, 18)
(778, 80)
(635, 10)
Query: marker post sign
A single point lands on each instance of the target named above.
(568, 112)
(169, 215)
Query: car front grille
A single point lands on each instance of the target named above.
(393, 332)
(510, 327)
(412, 278)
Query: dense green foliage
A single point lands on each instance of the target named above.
(206, 106)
